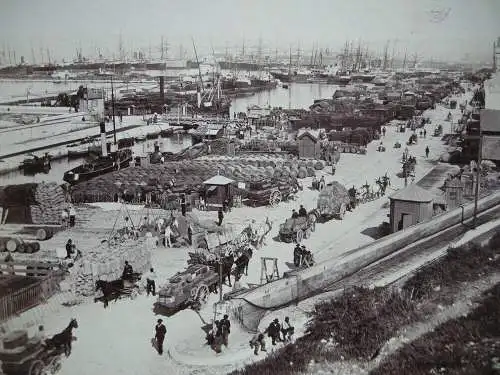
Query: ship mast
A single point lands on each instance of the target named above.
(113, 110)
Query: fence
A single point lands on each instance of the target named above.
(28, 297)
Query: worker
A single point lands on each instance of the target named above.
(258, 341)
(315, 183)
(297, 253)
(427, 151)
(151, 282)
(190, 235)
(69, 249)
(220, 216)
(302, 211)
(127, 271)
(168, 233)
(322, 183)
(72, 216)
(287, 330)
(294, 214)
(64, 217)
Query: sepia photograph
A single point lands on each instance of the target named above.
(250, 187)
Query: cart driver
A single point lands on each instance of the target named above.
(127, 271)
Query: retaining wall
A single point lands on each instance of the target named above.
(249, 307)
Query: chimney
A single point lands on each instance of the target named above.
(162, 89)
(104, 148)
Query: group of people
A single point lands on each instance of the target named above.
(219, 334)
(301, 256)
(301, 213)
(320, 185)
(276, 332)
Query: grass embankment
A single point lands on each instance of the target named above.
(356, 325)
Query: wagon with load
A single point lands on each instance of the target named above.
(190, 287)
(294, 229)
(333, 201)
(28, 356)
(266, 192)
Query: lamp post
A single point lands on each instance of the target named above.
(478, 175)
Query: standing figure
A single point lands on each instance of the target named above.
(427, 151)
(127, 271)
(69, 249)
(168, 233)
(190, 235)
(225, 329)
(220, 216)
(150, 282)
(160, 332)
(183, 205)
(273, 331)
(287, 330)
(64, 218)
(257, 342)
(72, 216)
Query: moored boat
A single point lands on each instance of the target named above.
(36, 164)
(102, 165)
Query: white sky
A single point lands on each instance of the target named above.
(470, 27)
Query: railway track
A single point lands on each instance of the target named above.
(423, 248)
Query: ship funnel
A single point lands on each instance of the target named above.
(104, 148)
(198, 97)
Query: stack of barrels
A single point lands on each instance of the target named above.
(50, 199)
(17, 244)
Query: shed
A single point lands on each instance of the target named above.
(217, 190)
(409, 206)
(309, 143)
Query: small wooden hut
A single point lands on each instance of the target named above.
(217, 190)
(409, 206)
(309, 143)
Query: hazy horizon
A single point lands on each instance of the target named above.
(441, 29)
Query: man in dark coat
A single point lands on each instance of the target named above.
(225, 329)
(220, 216)
(294, 214)
(69, 249)
(160, 332)
(297, 253)
(273, 331)
(127, 271)
(302, 211)
(183, 205)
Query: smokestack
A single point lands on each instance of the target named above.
(104, 148)
(198, 96)
(162, 89)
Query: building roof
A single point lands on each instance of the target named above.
(412, 193)
(218, 180)
(207, 129)
(314, 134)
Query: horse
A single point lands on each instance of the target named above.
(227, 265)
(63, 339)
(242, 263)
(112, 290)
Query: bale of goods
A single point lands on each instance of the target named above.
(310, 164)
(311, 172)
(277, 173)
(319, 165)
(51, 200)
(294, 172)
(302, 173)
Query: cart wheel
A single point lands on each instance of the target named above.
(275, 198)
(36, 367)
(342, 211)
(299, 236)
(54, 365)
(202, 294)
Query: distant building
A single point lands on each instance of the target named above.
(93, 103)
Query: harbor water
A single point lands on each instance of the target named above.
(297, 95)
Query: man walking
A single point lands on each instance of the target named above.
(69, 249)
(151, 282)
(72, 216)
(183, 205)
(160, 332)
(225, 329)
(427, 151)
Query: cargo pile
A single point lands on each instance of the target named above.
(190, 175)
(106, 263)
(50, 201)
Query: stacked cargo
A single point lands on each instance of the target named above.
(50, 201)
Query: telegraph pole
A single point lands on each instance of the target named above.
(478, 176)
(113, 110)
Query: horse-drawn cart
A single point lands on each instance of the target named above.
(30, 356)
(333, 201)
(263, 193)
(190, 287)
(116, 289)
(294, 229)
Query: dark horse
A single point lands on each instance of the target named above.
(63, 339)
(112, 290)
(242, 263)
(227, 265)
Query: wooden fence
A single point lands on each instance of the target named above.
(32, 295)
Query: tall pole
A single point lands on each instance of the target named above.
(113, 110)
(478, 175)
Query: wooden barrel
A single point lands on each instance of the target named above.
(15, 244)
(31, 247)
(43, 234)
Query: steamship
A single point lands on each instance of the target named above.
(103, 164)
